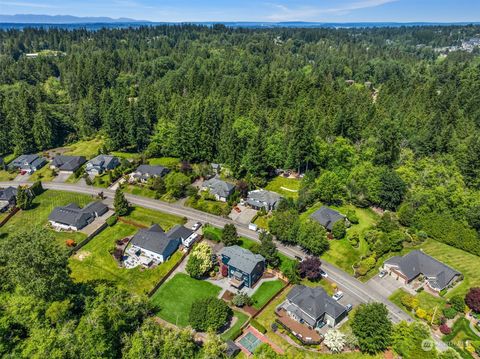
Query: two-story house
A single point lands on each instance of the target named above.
(243, 267)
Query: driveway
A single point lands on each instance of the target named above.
(97, 223)
(245, 215)
(62, 177)
(386, 285)
(22, 178)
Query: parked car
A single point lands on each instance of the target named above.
(348, 307)
(196, 226)
(383, 273)
(337, 296)
(323, 273)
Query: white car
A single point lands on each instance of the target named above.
(383, 273)
(337, 296)
(196, 226)
(323, 273)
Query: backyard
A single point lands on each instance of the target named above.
(175, 297)
(239, 319)
(169, 162)
(287, 187)
(265, 292)
(42, 205)
(87, 148)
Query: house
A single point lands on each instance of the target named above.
(244, 267)
(327, 217)
(27, 163)
(153, 244)
(261, 198)
(101, 163)
(313, 307)
(144, 172)
(438, 275)
(220, 189)
(67, 164)
(184, 234)
(73, 218)
(8, 198)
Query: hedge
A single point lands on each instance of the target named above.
(258, 326)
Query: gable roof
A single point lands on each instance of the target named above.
(179, 232)
(260, 197)
(27, 162)
(102, 161)
(312, 303)
(68, 163)
(416, 262)
(221, 188)
(154, 240)
(241, 258)
(327, 217)
(8, 194)
(73, 215)
(152, 170)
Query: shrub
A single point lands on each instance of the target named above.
(310, 268)
(37, 188)
(445, 329)
(410, 301)
(421, 313)
(209, 314)
(339, 230)
(241, 299)
(458, 303)
(258, 326)
(352, 216)
(472, 299)
(449, 312)
(354, 239)
(112, 220)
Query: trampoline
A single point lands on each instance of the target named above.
(250, 342)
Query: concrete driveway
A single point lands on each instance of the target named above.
(386, 285)
(22, 178)
(245, 215)
(61, 177)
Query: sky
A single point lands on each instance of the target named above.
(256, 10)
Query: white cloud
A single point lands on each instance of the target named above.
(28, 4)
(312, 13)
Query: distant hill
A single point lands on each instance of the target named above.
(62, 19)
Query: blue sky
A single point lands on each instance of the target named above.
(256, 10)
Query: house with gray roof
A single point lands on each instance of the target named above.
(27, 163)
(144, 172)
(244, 267)
(67, 164)
(186, 236)
(8, 198)
(438, 275)
(218, 188)
(313, 307)
(73, 218)
(101, 163)
(154, 243)
(327, 217)
(262, 198)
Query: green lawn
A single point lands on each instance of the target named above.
(102, 180)
(425, 301)
(213, 233)
(175, 297)
(461, 333)
(125, 155)
(266, 292)
(170, 162)
(287, 187)
(45, 174)
(240, 319)
(87, 148)
(208, 205)
(285, 262)
(139, 190)
(42, 206)
(328, 286)
(94, 262)
(9, 158)
(147, 217)
(262, 221)
(341, 252)
(7, 176)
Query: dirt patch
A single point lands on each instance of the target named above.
(133, 223)
(228, 296)
(55, 152)
(81, 255)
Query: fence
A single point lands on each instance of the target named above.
(89, 238)
(10, 215)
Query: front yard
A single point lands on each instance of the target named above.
(206, 204)
(463, 337)
(42, 206)
(426, 301)
(45, 174)
(6, 176)
(175, 297)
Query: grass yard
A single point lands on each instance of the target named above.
(139, 190)
(9, 158)
(207, 205)
(212, 233)
(45, 174)
(7, 176)
(94, 262)
(147, 217)
(240, 319)
(87, 148)
(287, 187)
(265, 292)
(38, 215)
(286, 262)
(262, 221)
(102, 180)
(341, 253)
(425, 301)
(328, 286)
(169, 162)
(125, 155)
(175, 297)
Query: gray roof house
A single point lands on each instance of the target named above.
(182, 233)
(327, 217)
(144, 172)
(101, 163)
(244, 267)
(28, 163)
(220, 189)
(72, 217)
(313, 307)
(155, 243)
(261, 198)
(439, 276)
(68, 163)
(7, 197)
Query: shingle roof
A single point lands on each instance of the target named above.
(152, 170)
(73, 215)
(416, 262)
(27, 162)
(154, 239)
(327, 217)
(219, 187)
(102, 161)
(260, 196)
(68, 163)
(8, 194)
(313, 303)
(241, 258)
(179, 232)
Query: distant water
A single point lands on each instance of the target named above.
(253, 25)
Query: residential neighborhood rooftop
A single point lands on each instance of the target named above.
(219, 187)
(152, 170)
(241, 258)
(327, 217)
(153, 239)
(74, 216)
(68, 163)
(7, 194)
